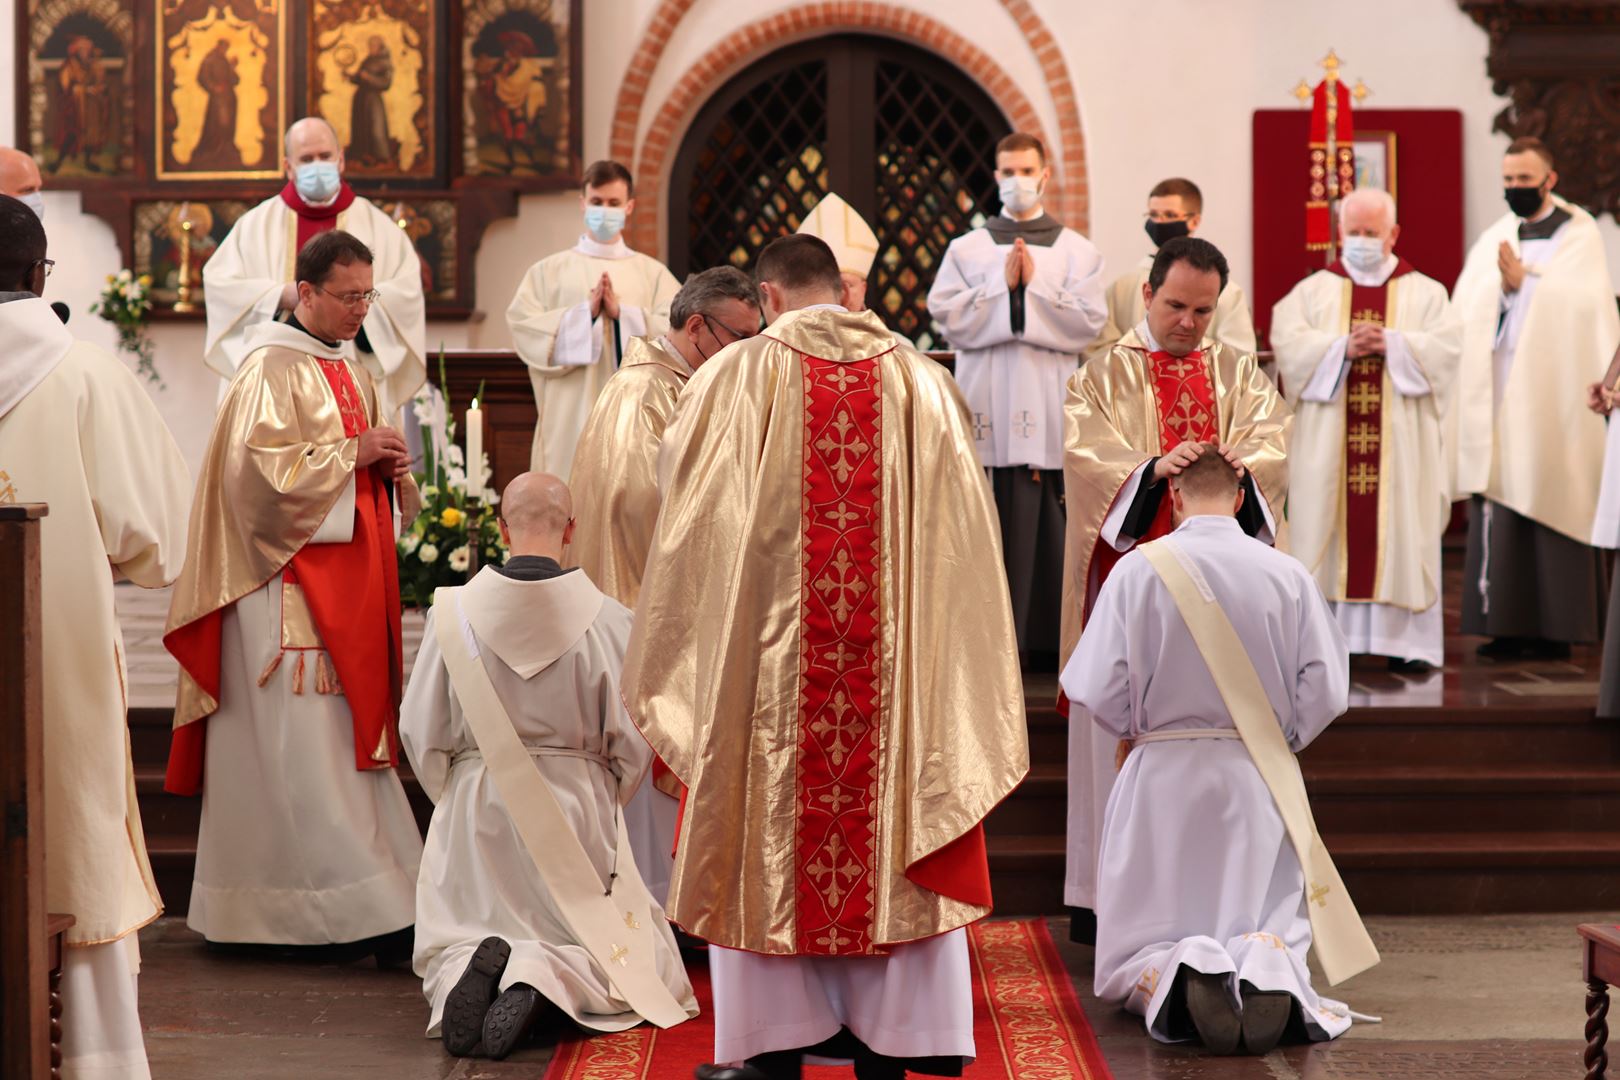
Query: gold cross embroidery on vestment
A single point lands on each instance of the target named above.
(846, 450)
(830, 865)
(1363, 478)
(1364, 398)
(844, 589)
(1364, 438)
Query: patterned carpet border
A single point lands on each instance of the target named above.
(1027, 1022)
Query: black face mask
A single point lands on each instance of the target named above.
(1523, 201)
(1162, 232)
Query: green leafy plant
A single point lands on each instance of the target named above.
(126, 302)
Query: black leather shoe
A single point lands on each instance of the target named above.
(462, 1025)
(1220, 1028)
(510, 1019)
(728, 1072)
(1402, 666)
(1265, 1017)
(1503, 648)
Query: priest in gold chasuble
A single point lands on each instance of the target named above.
(1368, 352)
(1129, 414)
(817, 577)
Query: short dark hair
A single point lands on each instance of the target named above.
(326, 250)
(1208, 476)
(1196, 253)
(22, 243)
(800, 261)
(1182, 188)
(604, 172)
(706, 288)
(1021, 140)
(1529, 144)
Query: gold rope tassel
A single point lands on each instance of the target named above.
(298, 674)
(325, 678)
(270, 668)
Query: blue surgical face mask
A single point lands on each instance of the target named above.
(35, 202)
(1020, 194)
(604, 223)
(317, 181)
(1364, 253)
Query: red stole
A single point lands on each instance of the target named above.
(352, 591)
(1364, 440)
(1185, 397)
(314, 220)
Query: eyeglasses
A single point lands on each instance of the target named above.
(1165, 215)
(352, 299)
(48, 264)
(735, 334)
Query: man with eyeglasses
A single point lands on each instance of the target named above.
(249, 278)
(79, 432)
(286, 624)
(1175, 208)
(615, 485)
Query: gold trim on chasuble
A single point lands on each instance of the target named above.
(840, 702)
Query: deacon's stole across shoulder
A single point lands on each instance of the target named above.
(349, 590)
(1366, 440)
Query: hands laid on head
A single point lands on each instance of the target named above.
(1175, 461)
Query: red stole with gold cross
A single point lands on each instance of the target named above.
(1365, 438)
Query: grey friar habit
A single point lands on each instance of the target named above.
(1015, 350)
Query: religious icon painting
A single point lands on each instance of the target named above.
(221, 79)
(431, 225)
(1375, 161)
(520, 94)
(172, 253)
(371, 74)
(78, 110)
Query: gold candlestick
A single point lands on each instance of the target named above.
(183, 301)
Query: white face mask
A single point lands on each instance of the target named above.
(35, 202)
(604, 223)
(1020, 194)
(1364, 253)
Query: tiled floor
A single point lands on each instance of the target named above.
(1494, 998)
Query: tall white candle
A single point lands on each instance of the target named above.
(475, 451)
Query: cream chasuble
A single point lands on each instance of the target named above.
(571, 356)
(1523, 437)
(1125, 408)
(244, 278)
(1197, 867)
(615, 475)
(552, 648)
(1368, 499)
(1231, 325)
(79, 432)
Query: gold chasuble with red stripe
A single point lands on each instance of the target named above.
(1367, 387)
(281, 454)
(823, 650)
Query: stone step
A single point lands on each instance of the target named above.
(1371, 798)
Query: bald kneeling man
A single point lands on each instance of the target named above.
(522, 665)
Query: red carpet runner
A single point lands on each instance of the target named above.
(1026, 1022)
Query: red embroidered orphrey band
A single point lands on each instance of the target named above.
(839, 701)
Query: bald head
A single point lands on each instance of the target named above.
(537, 514)
(310, 140)
(19, 174)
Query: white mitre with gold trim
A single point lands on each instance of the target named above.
(846, 232)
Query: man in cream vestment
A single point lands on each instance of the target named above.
(809, 469)
(249, 279)
(1202, 904)
(853, 244)
(1020, 299)
(493, 945)
(78, 432)
(1130, 416)
(1368, 351)
(575, 313)
(1539, 324)
(286, 624)
(1175, 207)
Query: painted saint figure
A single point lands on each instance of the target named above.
(218, 78)
(369, 144)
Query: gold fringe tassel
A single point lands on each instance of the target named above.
(298, 674)
(270, 668)
(324, 682)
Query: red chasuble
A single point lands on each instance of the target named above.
(1364, 440)
(314, 220)
(352, 592)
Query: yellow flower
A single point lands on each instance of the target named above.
(451, 517)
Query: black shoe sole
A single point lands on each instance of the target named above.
(462, 1024)
(509, 1020)
(1265, 1018)
(1213, 1013)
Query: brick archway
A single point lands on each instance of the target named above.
(736, 51)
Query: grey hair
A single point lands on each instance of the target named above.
(708, 288)
(1374, 195)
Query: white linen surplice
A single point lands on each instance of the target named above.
(1196, 866)
(477, 877)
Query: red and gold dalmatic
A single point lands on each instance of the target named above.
(282, 451)
(825, 558)
(1366, 440)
